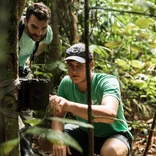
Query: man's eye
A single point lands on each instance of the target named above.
(69, 65)
(33, 26)
(80, 65)
(44, 28)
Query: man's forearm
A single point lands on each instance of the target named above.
(42, 46)
(57, 126)
(105, 112)
(102, 113)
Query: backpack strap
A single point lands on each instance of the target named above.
(32, 57)
(36, 47)
(20, 29)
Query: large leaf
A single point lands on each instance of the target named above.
(120, 62)
(8, 146)
(63, 67)
(113, 44)
(103, 52)
(131, 27)
(33, 122)
(144, 22)
(55, 137)
(136, 64)
(82, 124)
(137, 83)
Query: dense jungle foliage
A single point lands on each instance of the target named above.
(122, 34)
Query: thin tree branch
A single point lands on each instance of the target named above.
(150, 135)
(116, 119)
(90, 119)
(123, 11)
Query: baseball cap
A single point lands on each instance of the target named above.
(77, 53)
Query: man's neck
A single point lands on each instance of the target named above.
(83, 85)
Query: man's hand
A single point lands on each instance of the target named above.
(61, 150)
(27, 63)
(58, 104)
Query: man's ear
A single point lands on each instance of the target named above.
(25, 20)
(91, 64)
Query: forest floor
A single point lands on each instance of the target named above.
(139, 145)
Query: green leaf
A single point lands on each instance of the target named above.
(136, 64)
(120, 62)
(33, 122)
(55, 137)
(102, 51)
(121, 5)
(112, 44)
(63, 67)
(153, 51)
(135, 49)
(144, 22)
(38, 73)
(131, 27)
(8, 146)
(37, 131)
(137, 83)
(82, 124)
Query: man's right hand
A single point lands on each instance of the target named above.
(27, 63)
(59, 104)
(61, 150)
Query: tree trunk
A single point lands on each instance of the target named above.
(62, 16)
(54, 47)
(68, 20)
(21, 4)
(8, 73)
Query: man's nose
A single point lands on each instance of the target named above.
(75, 69)
(38, 32)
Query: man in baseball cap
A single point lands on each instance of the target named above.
(111, 136)
(77, 53)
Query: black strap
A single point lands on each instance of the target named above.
(20, 31)
(32, 57)
(36, 47)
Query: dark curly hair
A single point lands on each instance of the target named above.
(40, 10)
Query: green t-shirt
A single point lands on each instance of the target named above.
(102, 85)
(27, 45)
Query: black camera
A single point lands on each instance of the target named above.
(33, 94)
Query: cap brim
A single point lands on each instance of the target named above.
(75, 58)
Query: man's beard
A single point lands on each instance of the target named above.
(33, 36)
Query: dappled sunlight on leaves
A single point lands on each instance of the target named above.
(8, 146)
